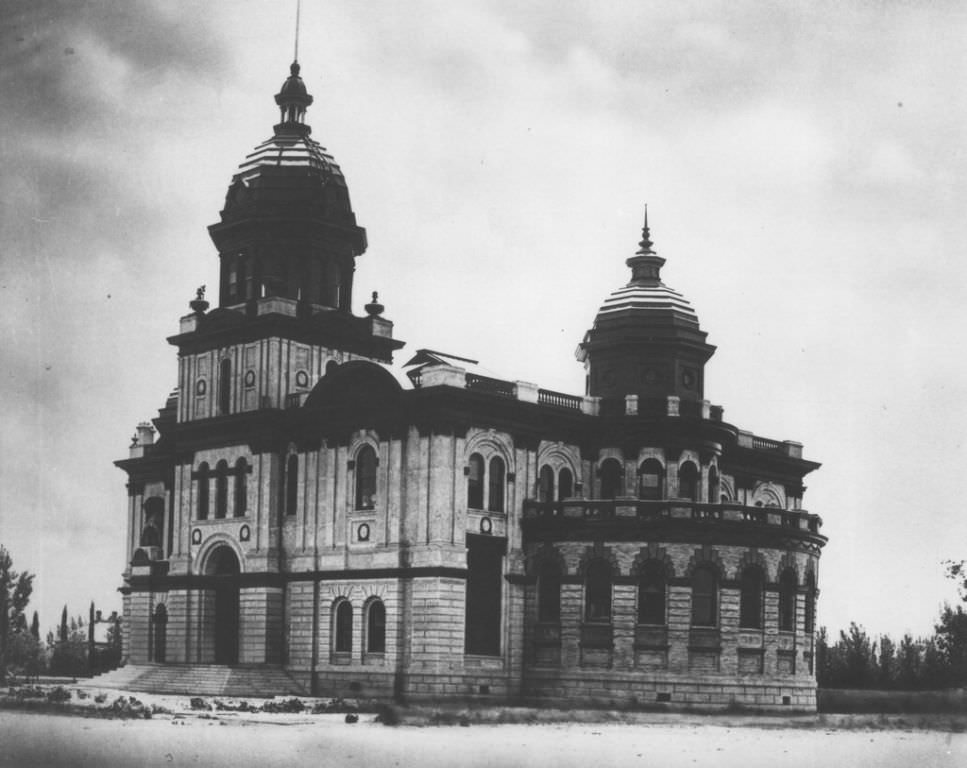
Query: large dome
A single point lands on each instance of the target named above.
(290, 175)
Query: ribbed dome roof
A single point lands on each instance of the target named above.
(649, 301)
(289, 150)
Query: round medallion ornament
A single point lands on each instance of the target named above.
(250, 378)
(196, 536)
(302, 379)
(486, 525)
(688, 379)
(244, 533)
(201, 387)
(362, 532)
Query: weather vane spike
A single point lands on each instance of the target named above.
(298, 8)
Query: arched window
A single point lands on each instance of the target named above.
(225, 386)
(809, 620)
(549, 593)
(475, 478)
(343, 627)
(704, 597)
(545, 484)
(750, 598)
(221, 489)
(160, 620)
(651, 480)
(610, 478)
(292, 485)
(597, 592)
(366, 478)
(241, 488)
(495, 500)
(787, 600)
(688, 481)
(651, 594)
(203, 491)
(565, 484)
(376, 627)
(713, 485)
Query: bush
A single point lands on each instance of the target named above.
(845, 701)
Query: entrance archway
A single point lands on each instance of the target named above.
(223, 565)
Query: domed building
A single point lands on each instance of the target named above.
(311, 519)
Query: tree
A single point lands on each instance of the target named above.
(35, 627)
(933, 670)
(951, 640)
(15, 589)
(62, 634)
(887, 670)
(69, 655)
(908, 663)
(824, 670)
(957, 571)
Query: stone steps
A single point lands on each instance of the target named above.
(202, 680)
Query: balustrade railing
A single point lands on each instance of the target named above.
(670, 509)
(765, 444)
(559, 399)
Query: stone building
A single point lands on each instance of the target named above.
(428, 531)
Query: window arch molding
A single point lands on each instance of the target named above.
(767, 494)
(203, 560)
(708, 557)
(488, 445)
(559, 457)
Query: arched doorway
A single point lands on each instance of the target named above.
(223, 565)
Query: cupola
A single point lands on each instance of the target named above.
(288, 229)
(646, 339)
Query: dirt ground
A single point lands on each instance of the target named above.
(33, 739)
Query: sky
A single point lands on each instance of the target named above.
(805, 170)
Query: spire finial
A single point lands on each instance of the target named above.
(298, 8)
(645, 264)
(644, 247)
